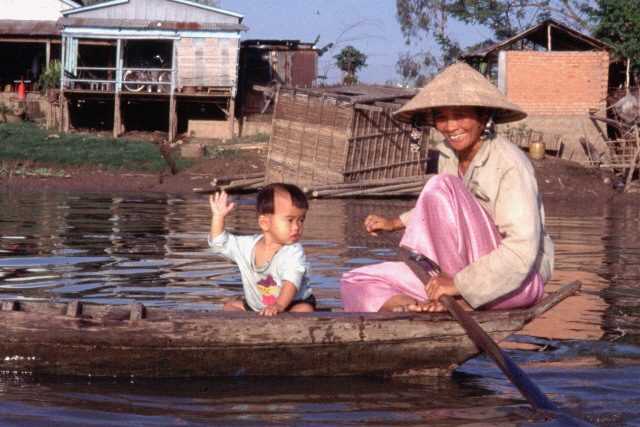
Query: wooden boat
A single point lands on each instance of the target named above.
(131, 340)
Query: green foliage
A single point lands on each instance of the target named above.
(618, 24)
(350, 60)
(507, 18)
(5, 109)
(50, 77)
(322, 50)
(430, 20)
(232, 148)
(24, 171)
(425, 20)
(26, 141)
(518, 132)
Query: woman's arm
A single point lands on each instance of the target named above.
(515, 211)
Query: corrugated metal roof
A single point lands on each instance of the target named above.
(277, 44)
(147, 24)
(11, 27)
(362, 93)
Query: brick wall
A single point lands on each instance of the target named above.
(557, 83)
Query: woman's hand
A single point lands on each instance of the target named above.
(435, 288)
(374, 223)
(441, 285)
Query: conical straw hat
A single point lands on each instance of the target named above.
(459, 85)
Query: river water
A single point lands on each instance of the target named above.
(106, 248)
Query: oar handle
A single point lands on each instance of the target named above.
(533, 394)
(527, 388)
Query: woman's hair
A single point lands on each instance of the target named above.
(265, 203)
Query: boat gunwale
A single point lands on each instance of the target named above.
(122, 312)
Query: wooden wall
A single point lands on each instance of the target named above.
(208, 62)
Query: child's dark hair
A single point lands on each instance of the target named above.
(265, 199)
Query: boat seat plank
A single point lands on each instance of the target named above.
(9, 305)
(74, 308)
(137, 311)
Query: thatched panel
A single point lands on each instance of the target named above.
(381, 147)
(326, 138)
(308, 139)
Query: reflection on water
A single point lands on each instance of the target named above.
(152, 249)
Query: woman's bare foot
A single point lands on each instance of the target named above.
(431, 306)
(397, 303)
(427, 306)
(406, 307)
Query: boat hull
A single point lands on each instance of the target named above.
(111, 341)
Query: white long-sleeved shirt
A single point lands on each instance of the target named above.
(503, 181)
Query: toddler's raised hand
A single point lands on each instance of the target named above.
(219, 206)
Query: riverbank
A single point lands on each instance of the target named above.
(558, 180)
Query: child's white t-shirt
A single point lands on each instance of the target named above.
(262, 283)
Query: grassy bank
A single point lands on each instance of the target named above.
(49, 150)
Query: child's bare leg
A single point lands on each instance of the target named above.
(234, 305)
(303, 307)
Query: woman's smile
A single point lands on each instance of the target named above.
(462, 127)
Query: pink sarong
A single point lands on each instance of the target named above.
(449, 226)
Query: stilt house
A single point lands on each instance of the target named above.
(148, 59)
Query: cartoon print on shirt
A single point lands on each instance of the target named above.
(269, 288)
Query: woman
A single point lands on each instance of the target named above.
(480, 218)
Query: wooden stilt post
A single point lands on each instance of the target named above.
(231, 115)
(64, 114)
(61, 97)
(117, 109)
(173, 119)
(117, 115)
(173, 115)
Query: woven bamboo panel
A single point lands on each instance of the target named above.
(623, 153)
(308, 139)
(325, 139)
(381, 147)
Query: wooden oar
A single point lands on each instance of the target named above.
(538, 400)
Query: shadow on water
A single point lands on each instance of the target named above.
(151, 248)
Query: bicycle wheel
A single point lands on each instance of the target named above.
(131, 76)
(164, 76)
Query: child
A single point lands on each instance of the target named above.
(274, 269)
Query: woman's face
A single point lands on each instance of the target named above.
(462, 127)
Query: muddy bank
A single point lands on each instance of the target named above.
(558, 180)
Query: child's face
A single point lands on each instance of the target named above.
(284, 226)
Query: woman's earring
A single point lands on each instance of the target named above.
(415, 138)
(489, 129)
